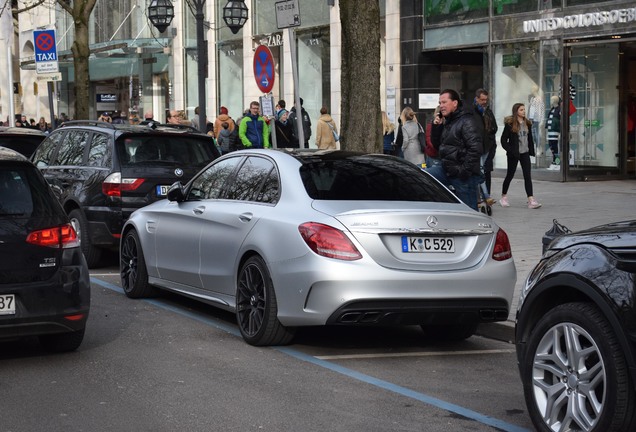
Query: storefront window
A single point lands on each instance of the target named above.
(594, 123)
(517, 79)
(190, 33)
(192, 88)
(504, 7)
(585, 2)
(114, 19)
(314, 73)
(230, 61)
(441, 11)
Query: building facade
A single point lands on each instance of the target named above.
(529, 51)
(583, 52)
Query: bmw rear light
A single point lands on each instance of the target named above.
(114, 185)
(502, 250)
(60, 237)
(328, 241)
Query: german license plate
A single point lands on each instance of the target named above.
(428, 244)
(162, 190)
(7, 304)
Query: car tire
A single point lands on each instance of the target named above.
(598, 390)
(450, 333)
(256, 307)
(62, 342)
(132, 268)
(91, 253)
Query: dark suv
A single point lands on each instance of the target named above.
(44, 281)
(102, 172)
(576, 332)
(21, 139)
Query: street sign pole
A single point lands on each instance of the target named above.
(288, 17)
(291, 34)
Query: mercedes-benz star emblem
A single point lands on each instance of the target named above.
(431, 221)
(178, 172)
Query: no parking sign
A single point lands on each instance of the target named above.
(45, 51)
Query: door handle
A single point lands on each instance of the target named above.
(198, 210)
(246, 217)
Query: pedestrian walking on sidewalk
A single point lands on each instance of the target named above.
(458, 136)
(517, 140)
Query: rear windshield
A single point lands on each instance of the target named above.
(370, 178)
(169, 150)
(23, 193)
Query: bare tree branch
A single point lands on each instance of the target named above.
(27, 8)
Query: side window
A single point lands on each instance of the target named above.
(209, 183)
(271, 186)
(44, 152)
(72, 149)
(99, 153)
(252, 179)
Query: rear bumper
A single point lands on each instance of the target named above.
(57, 305)
(418, 312)
(316, 291)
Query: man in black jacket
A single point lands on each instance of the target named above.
(483, 111)
(458, 136)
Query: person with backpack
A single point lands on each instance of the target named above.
(228, 139)
(223, 117)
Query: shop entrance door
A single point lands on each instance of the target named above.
(594, 111)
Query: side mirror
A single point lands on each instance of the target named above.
(175, 192)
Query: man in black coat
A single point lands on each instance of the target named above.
(482, 110)
(458, 136)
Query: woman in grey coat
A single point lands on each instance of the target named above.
(411, 144)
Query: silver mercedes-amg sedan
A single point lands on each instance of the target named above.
(302, 238)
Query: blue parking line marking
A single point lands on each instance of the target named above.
(394, 388)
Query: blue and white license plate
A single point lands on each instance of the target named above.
(7, 304)
(428, 244)
(162, 190)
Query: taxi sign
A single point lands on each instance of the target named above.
(45, 51)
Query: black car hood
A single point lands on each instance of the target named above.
(616, 235)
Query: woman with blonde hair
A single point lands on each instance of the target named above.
(388, 132)
(517, 140)
(411, 143)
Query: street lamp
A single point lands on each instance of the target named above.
(160, 13)
(235, 15)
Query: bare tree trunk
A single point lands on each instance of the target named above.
(361, 122)
(81, 11)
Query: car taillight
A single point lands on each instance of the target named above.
(328, 241)
(114, 185)
(502, 250)
(57, 237)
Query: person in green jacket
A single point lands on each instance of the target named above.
(253, 130)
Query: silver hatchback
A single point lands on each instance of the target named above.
(303, 238)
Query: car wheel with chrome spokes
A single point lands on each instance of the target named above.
(574, 373)
(256, 307)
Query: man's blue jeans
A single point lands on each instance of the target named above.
(465, 190)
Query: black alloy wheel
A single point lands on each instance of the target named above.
(256, 308)
(132, 268)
